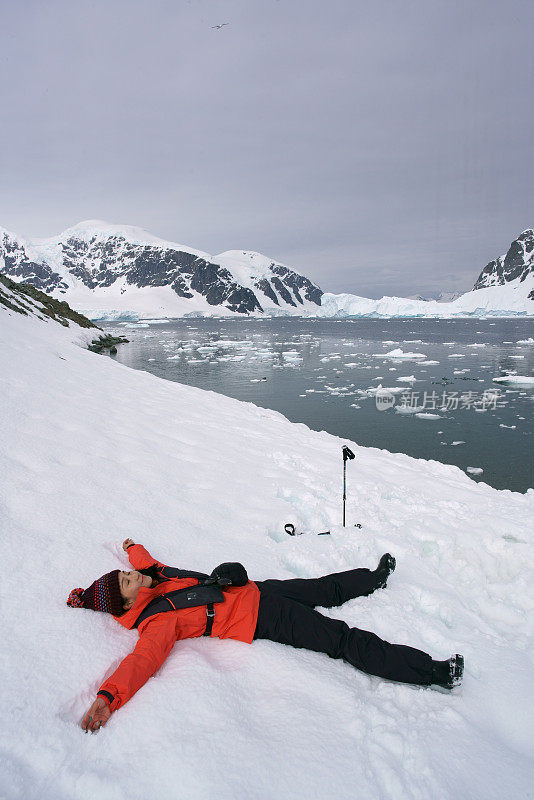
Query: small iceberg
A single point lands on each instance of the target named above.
(519, 380)
(399, 353)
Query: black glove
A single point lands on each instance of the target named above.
(229, 574)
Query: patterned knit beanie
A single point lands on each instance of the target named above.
(102, 595)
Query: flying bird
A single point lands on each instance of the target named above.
(220, 26)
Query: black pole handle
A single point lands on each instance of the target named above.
(347, 453)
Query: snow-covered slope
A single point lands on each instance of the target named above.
(505, 287)
(110, 271)
(92, 453)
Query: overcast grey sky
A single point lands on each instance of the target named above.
(377, 147)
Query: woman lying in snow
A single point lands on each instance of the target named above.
(279, 610)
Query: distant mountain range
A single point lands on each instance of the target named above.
(439, 297)
(95, 265)
(121, 272)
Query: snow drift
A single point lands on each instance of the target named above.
(93, 453)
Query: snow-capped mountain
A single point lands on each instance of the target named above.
(514, 267)
(104, 270)
(447, 297)
(439, 297)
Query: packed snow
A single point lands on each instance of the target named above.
(93, 453)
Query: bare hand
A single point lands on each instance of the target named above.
(97, 715)
(127, 543)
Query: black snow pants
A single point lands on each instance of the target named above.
(287, 615)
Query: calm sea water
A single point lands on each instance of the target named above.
(325, 373)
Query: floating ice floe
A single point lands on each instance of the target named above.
(429, 362)
(511, 427)
(385, 389)
(474, 470)
(530, 340)
(232, 343)
(407, 378)
(408, 409)
(428, 415)
(399, 353)
(520, 380)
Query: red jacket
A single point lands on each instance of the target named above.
(234, 619)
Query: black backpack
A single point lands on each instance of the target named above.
(207, 592)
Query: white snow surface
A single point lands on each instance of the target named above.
(93, 452)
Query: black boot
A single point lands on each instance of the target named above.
(386, 565)
(448, 674)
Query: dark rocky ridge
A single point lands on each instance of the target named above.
(515, 265)
(100, 261)
(26, 299)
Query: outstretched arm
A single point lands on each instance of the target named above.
(139, 557)
(150, 652)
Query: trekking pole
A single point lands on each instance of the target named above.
(347, 455)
